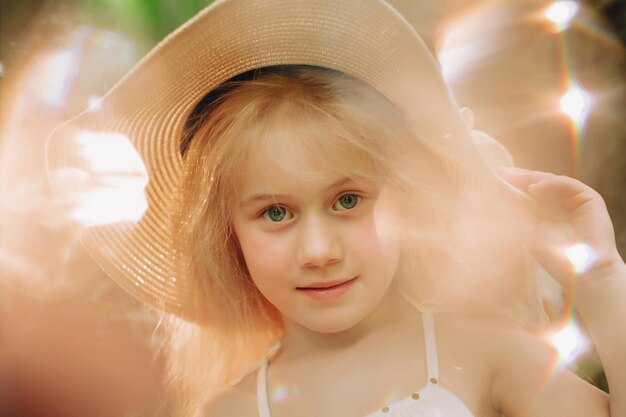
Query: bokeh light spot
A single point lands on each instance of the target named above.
(282, 393)
(581, 256)
(61, 67)
(561, 13)
(569, 342)
(108, 184)
(575, 104)
(94, 103)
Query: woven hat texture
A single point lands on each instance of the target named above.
(133, 137)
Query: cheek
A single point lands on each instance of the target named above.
(266, 259)
(380, 241)
(389, 223)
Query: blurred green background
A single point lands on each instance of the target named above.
(156, 18)
(107, 37)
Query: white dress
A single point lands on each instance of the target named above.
(432, 400)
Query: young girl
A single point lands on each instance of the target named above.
(327, 235)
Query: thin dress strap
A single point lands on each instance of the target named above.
(261, 390)
(431, 346)
(261, 383)
(431, 363)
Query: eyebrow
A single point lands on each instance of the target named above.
(266, 196)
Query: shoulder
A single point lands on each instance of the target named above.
(235, 401)
(530, 379)
(503, 340)
(465, 345)
(522, 368)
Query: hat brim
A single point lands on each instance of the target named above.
(367, 39)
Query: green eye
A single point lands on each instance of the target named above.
(347, 202)
(276, 213)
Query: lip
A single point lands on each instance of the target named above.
(327, 291)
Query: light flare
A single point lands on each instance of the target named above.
(55, 75)
(102, 205)
(581, 257)
(94, 103)
(281, 394)
(13, 263)
(109, 153)
(465, 44)
(561, 13)
(61, 68)
(109, 183)
(575, 104)
(569, 343)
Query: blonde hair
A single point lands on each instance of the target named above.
(336, 117)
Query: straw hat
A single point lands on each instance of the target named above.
(119, 164)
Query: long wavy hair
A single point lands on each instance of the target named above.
(338, 119)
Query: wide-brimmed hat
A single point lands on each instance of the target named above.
(119, 163)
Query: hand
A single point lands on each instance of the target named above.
(571, 217)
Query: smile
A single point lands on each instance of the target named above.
(327, 291)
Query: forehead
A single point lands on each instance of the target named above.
(311, 137)
(286, 160)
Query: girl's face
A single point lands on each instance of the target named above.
(322, 248)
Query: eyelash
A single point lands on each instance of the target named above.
(358, 197)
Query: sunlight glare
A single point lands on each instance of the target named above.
(561, 13)
(581, 257)
(109, 153)
(108, 185)
(575, 104)
(60, 67)
(283, 393)
(569, 342)
(94, 103)
(105, 205)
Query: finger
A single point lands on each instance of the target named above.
(559, 185)
(522, 178)
(571, 192)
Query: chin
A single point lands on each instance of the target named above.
(332, 328)
(335, 322)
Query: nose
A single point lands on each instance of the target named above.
(318, 244)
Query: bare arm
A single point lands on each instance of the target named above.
(601, 301)
(572, 215)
